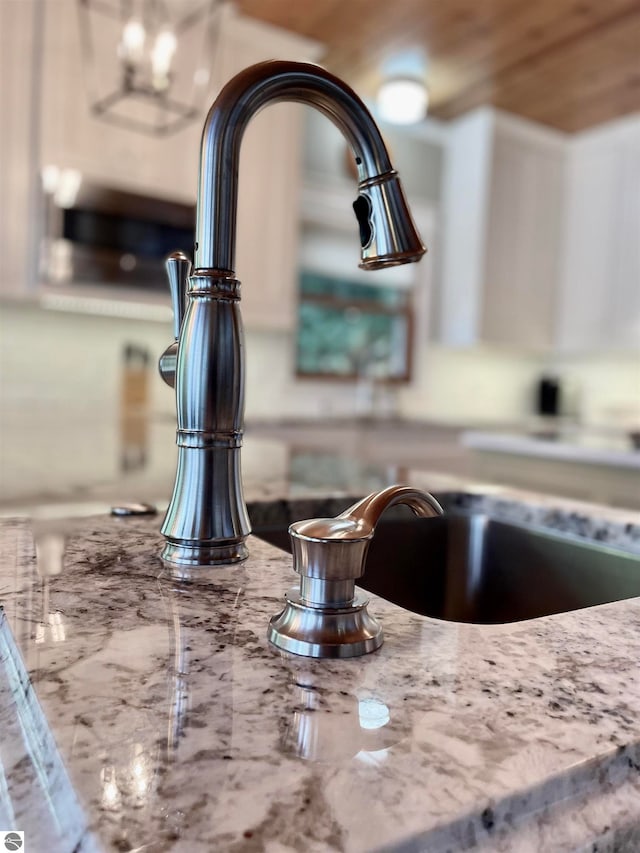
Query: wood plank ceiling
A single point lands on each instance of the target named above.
(569, 64)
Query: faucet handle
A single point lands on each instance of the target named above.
(326, 617)
(178, 267)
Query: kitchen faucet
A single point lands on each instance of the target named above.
(206, 523)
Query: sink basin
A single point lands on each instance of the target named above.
(467, 567)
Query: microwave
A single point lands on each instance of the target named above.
(101, 235)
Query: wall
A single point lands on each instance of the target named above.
(56, 365)
(496, 386)
(61, 419)
(606, 387)
(471, 386)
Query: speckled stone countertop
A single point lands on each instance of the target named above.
(138, 712)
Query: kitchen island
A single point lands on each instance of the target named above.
(596, 465)
(140, 712)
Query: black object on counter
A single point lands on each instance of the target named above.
(548, 396)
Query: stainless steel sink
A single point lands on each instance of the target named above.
(467, 567)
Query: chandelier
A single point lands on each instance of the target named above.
(148, 62)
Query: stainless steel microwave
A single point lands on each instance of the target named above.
(100, 235)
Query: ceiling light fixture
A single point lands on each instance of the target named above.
(403, 97)
(402, 100)
(147, 61)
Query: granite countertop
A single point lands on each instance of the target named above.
(138, 712)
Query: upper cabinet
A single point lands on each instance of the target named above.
(541, 236)
(600, 281)
(523, 243)
(501, 234)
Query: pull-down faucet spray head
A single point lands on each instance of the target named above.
(387, 234)
(206, 522)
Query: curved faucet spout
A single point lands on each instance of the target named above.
(388, 235)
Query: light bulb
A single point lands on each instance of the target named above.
(50, 179)
(163, 50)
(133, 38)
(67, 188)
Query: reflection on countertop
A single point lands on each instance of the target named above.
(52, 458)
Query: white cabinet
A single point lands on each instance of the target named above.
(524, 238)
(502, 217)
(600, 295)
(541, 236)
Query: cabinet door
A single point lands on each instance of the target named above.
(625, 307)
(523, 242)
(601, 271)
(502, 206)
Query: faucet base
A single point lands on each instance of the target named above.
(199, 555)
(325, 632)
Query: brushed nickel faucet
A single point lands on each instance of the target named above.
(206, 523)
